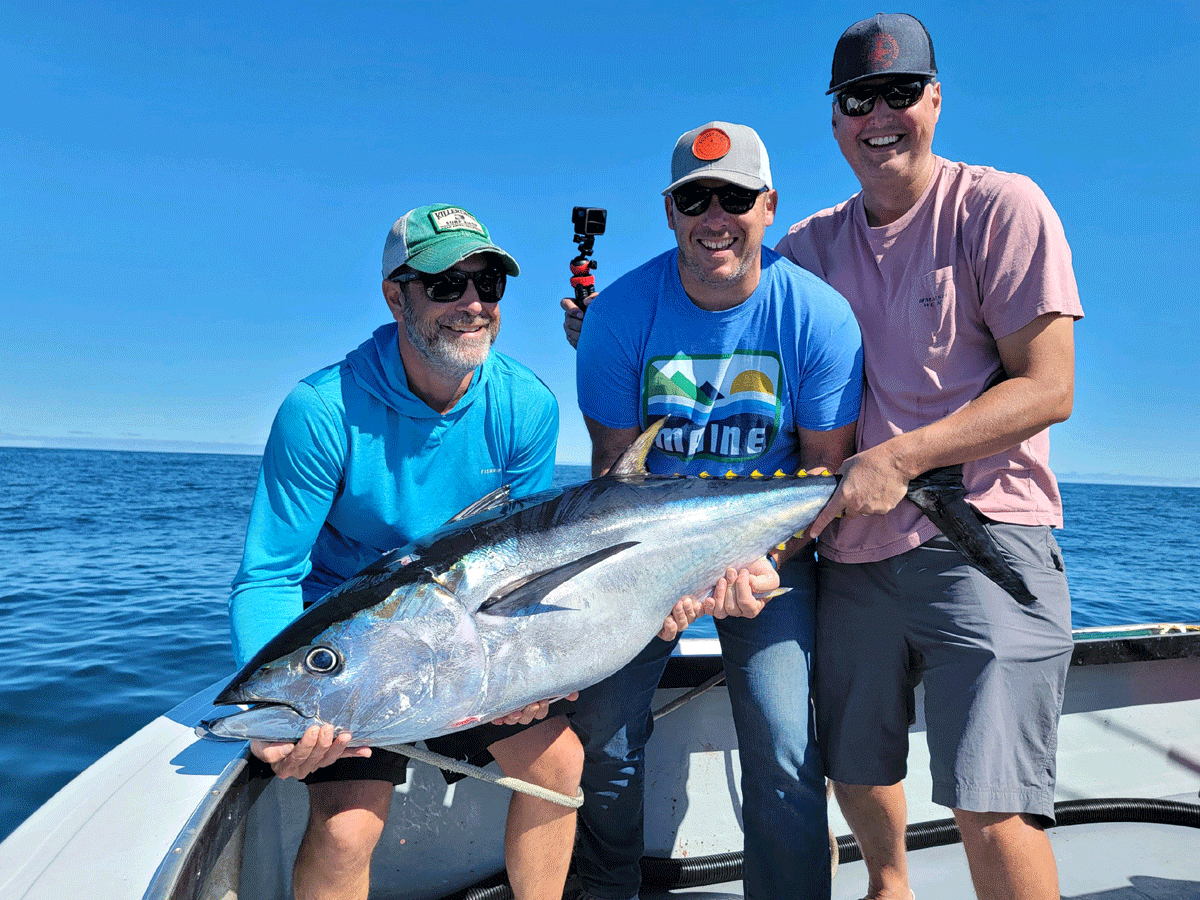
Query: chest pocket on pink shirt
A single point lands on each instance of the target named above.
(931, 311)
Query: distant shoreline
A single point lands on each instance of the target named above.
(118, 445)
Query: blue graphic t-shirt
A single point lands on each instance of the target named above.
(733, 385)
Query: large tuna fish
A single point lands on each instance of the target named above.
(510, 603)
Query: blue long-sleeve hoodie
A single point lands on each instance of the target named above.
(356, 465)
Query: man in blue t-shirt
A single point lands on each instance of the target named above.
(756, 365)
(364, 456)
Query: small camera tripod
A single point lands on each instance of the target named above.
(588, 221)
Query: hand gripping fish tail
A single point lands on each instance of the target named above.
(940, 494)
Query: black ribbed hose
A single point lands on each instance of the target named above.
(721, 867)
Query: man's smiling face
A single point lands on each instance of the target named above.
(719, 253)
(887, 143)
(453, 338)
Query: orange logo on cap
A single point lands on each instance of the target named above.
(885, 52)
(710, 144)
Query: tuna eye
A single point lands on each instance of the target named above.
(322, 660)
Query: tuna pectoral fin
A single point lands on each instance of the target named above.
(525, 597)
(941, 496)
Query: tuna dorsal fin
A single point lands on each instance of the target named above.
(633, 460)
(525, 597)
(498, 497)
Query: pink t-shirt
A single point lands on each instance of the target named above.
(980, 256)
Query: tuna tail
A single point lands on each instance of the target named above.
(940, 494)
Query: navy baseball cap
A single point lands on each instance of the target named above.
(885, 44)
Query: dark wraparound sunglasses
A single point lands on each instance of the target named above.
(897, 94)
(693, 199)
(448, 286)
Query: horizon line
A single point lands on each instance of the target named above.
(219, 448)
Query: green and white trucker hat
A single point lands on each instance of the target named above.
(433, 238)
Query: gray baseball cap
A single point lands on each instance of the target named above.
(733, 153)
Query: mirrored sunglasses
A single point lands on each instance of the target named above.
(860, 101)
(693, 199)
(448, 286)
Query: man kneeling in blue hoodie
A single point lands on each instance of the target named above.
(366, 455)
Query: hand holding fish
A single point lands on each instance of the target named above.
(531, 713)
(736, 593)
(746, 592)
(872, 483)
(319, 747)
(684, 613)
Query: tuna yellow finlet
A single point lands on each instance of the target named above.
(731, 474)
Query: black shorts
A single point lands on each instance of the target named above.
(470, 745)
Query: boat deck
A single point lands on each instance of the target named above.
(1106, 861)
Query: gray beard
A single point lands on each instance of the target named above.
(449, 359)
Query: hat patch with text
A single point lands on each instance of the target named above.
(710, 144)
(455, 219)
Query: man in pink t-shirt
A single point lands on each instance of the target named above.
(961, 279)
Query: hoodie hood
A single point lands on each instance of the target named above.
(378, 369)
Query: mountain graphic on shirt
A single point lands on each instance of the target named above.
(680, 384)
(720, 407)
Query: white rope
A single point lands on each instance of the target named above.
(534, 790)
(464, 768)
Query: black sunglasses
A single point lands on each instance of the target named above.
(897, 94)
(693, 199)
(448, 286)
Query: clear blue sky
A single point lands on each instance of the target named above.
(194, 197)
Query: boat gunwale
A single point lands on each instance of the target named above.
(1121, 644)
(184, 873)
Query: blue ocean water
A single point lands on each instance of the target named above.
(115, 568)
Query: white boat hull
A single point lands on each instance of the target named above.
(167, 815)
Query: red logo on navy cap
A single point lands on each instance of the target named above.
(884, 52)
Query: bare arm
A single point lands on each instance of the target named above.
(1039, 360)
(608, 444)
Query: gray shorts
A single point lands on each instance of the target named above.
(994, 671)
